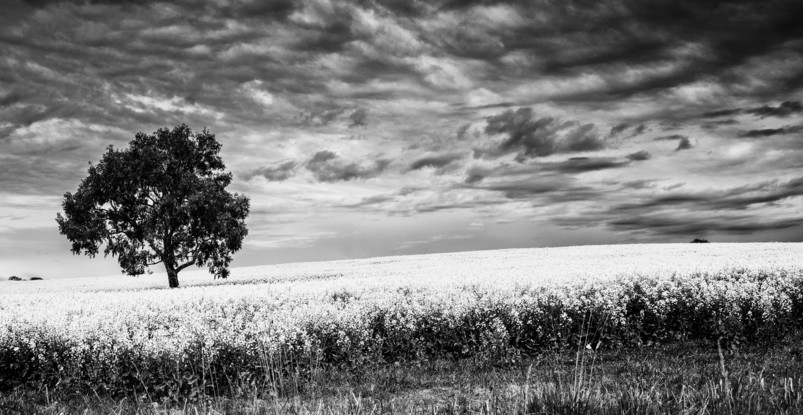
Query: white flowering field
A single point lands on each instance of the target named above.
(125, 334)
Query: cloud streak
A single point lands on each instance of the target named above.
(278, 173)
(326, 166)
(738, 198)
(768, 132)
(782, 110)
(437, 161)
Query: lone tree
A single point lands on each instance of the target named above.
(161, 200)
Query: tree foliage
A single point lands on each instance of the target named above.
(161, 200)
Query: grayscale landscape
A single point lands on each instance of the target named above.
(401, 206)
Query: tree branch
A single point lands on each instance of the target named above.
(194, 254)
(185, 265)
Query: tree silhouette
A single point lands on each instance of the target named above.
(161, 200)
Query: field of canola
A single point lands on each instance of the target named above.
(124, 334)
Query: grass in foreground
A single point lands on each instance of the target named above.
(690, 378)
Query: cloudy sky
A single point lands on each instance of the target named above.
(391, 127)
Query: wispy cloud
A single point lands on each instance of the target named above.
(278, 173)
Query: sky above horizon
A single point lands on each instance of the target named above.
(387, 127)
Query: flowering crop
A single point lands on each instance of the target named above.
(269, 322)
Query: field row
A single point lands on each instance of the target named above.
(221, 338)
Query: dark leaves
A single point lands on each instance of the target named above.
(162, 199)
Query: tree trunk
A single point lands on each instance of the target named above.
(172, 276)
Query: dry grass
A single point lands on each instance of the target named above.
(662, 379)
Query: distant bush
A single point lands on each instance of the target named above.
(699, 241)
(15, 278)
(35, 279)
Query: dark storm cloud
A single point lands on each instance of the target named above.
(737, 198)
(684, 144)
(768, 132)
(530, 187)
(723, 211)
(461, 132)
(275, 9)
(6, 131)
(674, 42)
(618, 129)
(675, 224)
(371, 201)
(332, 37)
(528, 136)
(641, 129)
(712, 125)
(674, 186)
(638, 184)
(585, 164)
(639, 155)
(784, 109)
(573, 165)
(438, 207)
(327, 166)
(278, 173)
(181, 49)
(194, 51)
(359, 118)
(387, 203)
(733, 31)
(44, 3)
(435, 161)
(475, 175)
(722, 113)
(10, 98)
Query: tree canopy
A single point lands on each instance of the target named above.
(161, 200)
